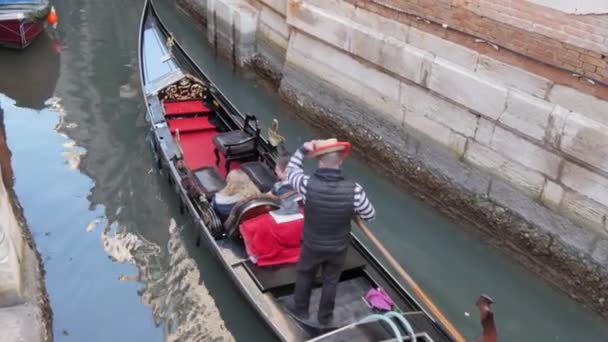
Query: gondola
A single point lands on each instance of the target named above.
(189, 118)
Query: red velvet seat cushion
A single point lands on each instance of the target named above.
(185, 107)
(200, 123)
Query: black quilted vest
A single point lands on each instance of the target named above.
(328, 211)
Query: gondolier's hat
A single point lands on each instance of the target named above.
(328, 146)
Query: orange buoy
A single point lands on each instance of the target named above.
(52, 17)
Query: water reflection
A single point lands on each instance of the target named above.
(102, 218)
(100, 111)
(30, 76)
(171, 289)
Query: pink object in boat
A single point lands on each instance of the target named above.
(379, 299)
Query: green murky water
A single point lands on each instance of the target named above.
(119, 258)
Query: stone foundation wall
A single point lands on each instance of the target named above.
(503, 136)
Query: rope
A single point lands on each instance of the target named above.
(392, 325)
(406, 325)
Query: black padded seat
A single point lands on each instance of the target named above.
(260, 175)
(238, 144)
(234, 142)
(234, 145)
(209, 180)
(273, 277)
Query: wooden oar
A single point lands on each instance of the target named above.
(411, 282)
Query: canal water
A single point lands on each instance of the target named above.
(120, 262)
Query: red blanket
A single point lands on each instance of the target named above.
(272, 243)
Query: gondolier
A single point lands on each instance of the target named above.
(331, 202)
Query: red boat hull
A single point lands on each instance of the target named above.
(19, 33)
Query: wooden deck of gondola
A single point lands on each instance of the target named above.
(266, 288)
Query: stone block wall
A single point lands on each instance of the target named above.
(575, 43)
(231, 27)
(547, 139)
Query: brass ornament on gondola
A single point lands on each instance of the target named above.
(185, 89)
(170, 43)
(274, 137)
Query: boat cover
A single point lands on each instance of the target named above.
(271, 243)
(28, 9)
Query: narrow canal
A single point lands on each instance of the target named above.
(120, 262)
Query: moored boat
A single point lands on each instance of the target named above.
(198, 136)
(21, 21)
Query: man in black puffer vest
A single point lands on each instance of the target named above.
(331, 202)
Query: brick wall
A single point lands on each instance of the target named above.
(575, 43)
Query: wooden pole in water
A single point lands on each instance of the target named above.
(411, 282)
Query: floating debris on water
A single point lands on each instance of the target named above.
(93, 224)
(127, 91)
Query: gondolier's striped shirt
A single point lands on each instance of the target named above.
(299, 181)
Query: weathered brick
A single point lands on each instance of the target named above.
(593, 60)
(573, 54)
(570, 64)
(587, 45)
(587, 36)
(543, 55)
(589, 67)
(569, 56)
